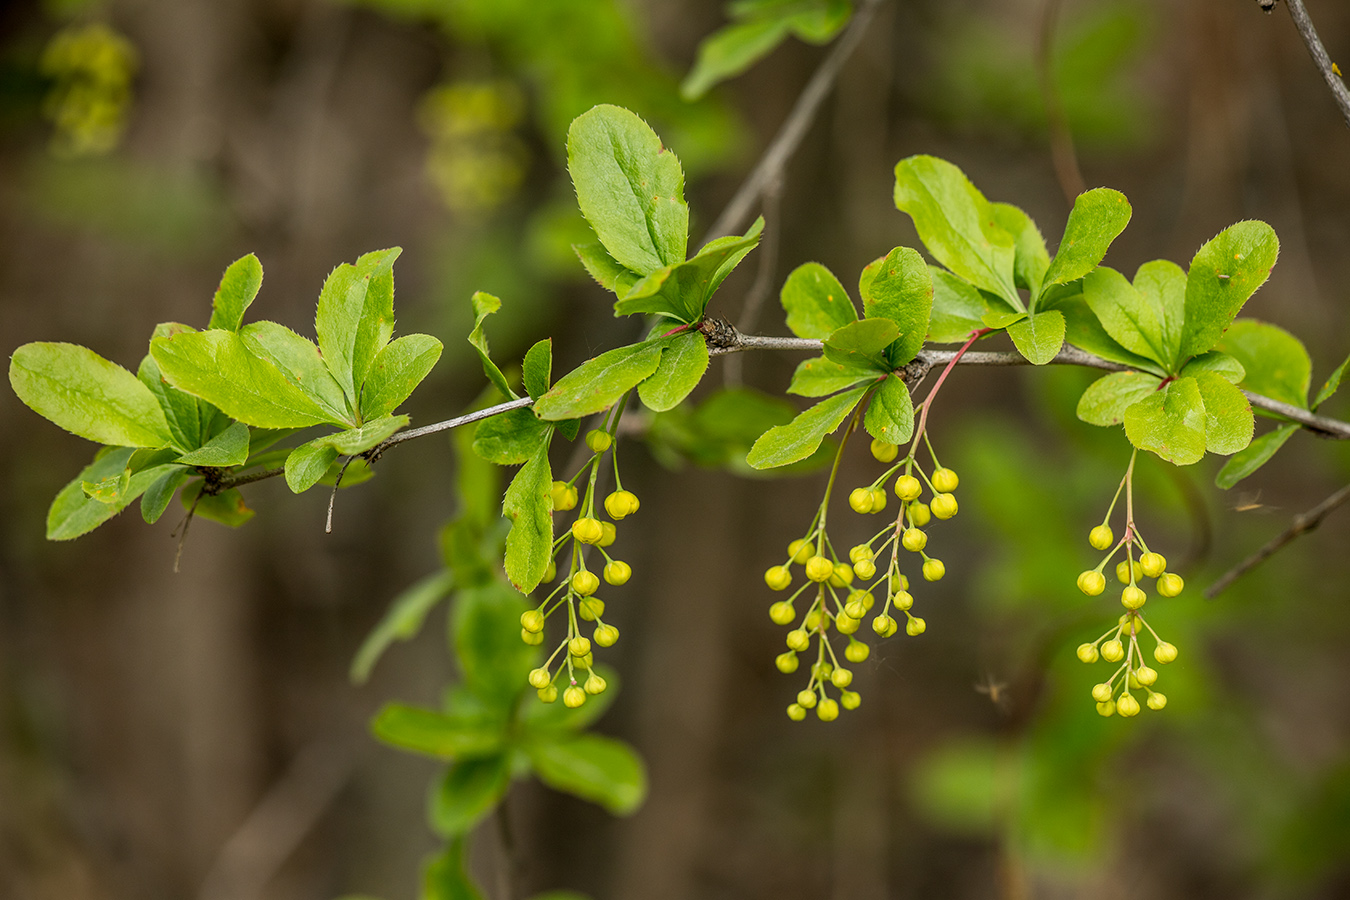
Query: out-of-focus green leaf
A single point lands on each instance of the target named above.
(1256, 455)
(529, 506)
(401, 622)
(468, 792)
(491, 654)
(437, 734)
(446, 878)
(1224, 273)
(730, 51)
(1332, 384)
(816, 303)
(227, 508)
(238, 286)
(956, 786)
(683, 362)
(799, 438)
(307, 463)
(594, 768)
(598, 383)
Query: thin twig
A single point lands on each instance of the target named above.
(1061, 137)
(332, 498)
(785, 142)
(237, 480)
(1303, 22)
(374, 454)
(1302, 524)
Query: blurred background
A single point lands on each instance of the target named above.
(194, 735)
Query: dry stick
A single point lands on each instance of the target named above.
(1302, 524)
(789, 136)
(1061, 138)
(1303, 22)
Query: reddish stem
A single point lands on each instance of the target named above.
(677, 330)
(928, 401)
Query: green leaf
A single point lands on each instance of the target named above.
(1170, 422)
(218, 367)
(484, 305)
(605, 269)
(862, 344)
(682, 291)
(109, 490)
(958, 309)
(401, 622)
(1098, 216)
(161, 490)
(1228, 415)
(538, 368)
(819, 377)
(238, 287)
(87, 395)
(730, 51)
(529, 506)
(510, 438)
(1256, 455)
(683, 362)
(956, 225)
(308, 463)
(370, 435)
(1275, 362)
(1130, 319)
(227, 508)
(494, 659)
(1106, 399)
(299, 360)
(1039, 337)
(1163, 284)
(1220, 364)
(1084, 330)
(1224, 273)
(229, 448)
(999, 319)
(598, 383)
(900, 288)
(467, 793)
(74, 513)
(396, 371)
(798, 439)
(1030, 258)
(188, 417)
(594, 768)
(437, 734)
(1332, 384)
(629, 188)
(446, 878)
(890, 414)
(816, 303)
(355, 317)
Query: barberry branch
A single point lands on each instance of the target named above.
(1306, 30)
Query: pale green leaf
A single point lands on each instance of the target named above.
(1106, 399)
(731, 50)
(529, 506)
(1039, 337)
(683, 362)
(538, 368)
(1163, 284)
(299, 359)
(1218, 363)
(1083, 330)
(1170, 422)
(1228, 415)
(998, 319)
(401, 622)
(682, 291)
(1098, 217)
(594, 768)
(819, 377)
(605, 269)
(890, 414)
(1030, 258)
(1256, 455)
(798, 439)
(188, 417)
(815, 302)
(437, 734)
(1130, 318)
(598, 383)
(484, 305)
(958, 309)
(1276, 363)
(238, 287)
(355, 317)
(445, 876)
(1224, 273)
(396, 372)
(307, 463)
(73, 514)
(160, 492)
(229, 448)
(899, 287)
(862, 344)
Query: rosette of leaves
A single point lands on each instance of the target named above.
(207, 405)
(861, 359)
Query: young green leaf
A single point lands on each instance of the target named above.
(299, 359)
(1224, 273)
(87, 395)
(1221, 364)
(958, 308)
(238, 287)
(955, 224)
(370, 435)
(1030, 258)
(229, 448)
(1125, 313)
(598, 383)
(629, 188)
(437, 734)
(396, 372)
(401, 622)
(1106, 399)
(538, 368)
(1098, 217)
(484, 305)
(529, 506)
(510, 438)
(1039, 337)
(72, 512)
(899, 287)
(683, 362)
(307, 463)
(605, 269)
(682, 291)
(157, 496)
(1163, 284)
(798, 439)
(1275, 362)
(109, 490)
(999, 319)
(594, 768)
(355, 317)
(1170, 422)
(816, 303)
(186, 415)
(1228, 415)
(445, 876)
(494, 659)
(730, 51)
(468, 792)
(862, 344)
(1084, 330)
(1256, 455)
(890, 414)
(1331, 385)
(819, 377)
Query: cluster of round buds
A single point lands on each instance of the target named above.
(575, 594)
(1121, 645)
(1130, 571)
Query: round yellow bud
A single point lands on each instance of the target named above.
(607, 534)
(818, 568)
(850, 699)
(943, 506)
(1170, 584)
(913, 540)
(798, 639)
(1127, 706)
(781, 613)
(548, 694)
(1113, 651)
(591, 608)
(1088, 653)
(847, 624)
(1146, 675)
(884, 626)
(908, 488)
(806, 699)
(919, 514)
(1107, 709)
(933, 570)
(945, 480)
(1123, 571)
(842, 575)
(533, 638)
(1132, 597)
(551, 572)
(579, 646)
(828, 711)
(800, 551)
(621, 504)
(1101, 692)
(786, 662)
(859, 553)
(1101, 537)
(618, 572)
(854, 609)
(884, 452)
(599, 441)
(878, 499)
(915, 627)
(1153, 564)
(1156, 701)
(595, 684)
(778, 578)
(1165, 652)
(860, 499)
(903, 600)
(585, 583)
(841, 678)
(812, 621)
(1092, 583)
(539, 678)
(605, 635)
(573, 697)
(857, 651)
(563, 495)
(864, 568)
(796, 712)
(532, 621)
(587, 530)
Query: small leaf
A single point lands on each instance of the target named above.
(816, 303)
(109, 490)
(890, 414)
(1275, 362)
(683, 362)
(72, 512)
(731, 50)
(958, 309)
(510, 438)
(396, 372)
(1170, 422)
(1125, 314)
(1030, 258)
(998, 319)
(1257, 454)
(467, 793)
(1163, 284)
(1106, 399)
(900, 288)
(1039, 337)
(237, 289)
(529, 506)
(682, 291)
(1098, 217)
(798, 439)
(1221, 364)
(354, 318)
(1224, 273)
(819, 377)
(862, 344)
(1084, 330)
(1228, 415)
(436, 734)
(157, 496)
(629, 188)
(87, 395)
(484, 305)
(367, 437)
(538, 368)
(229, 448)
(598, 383)
(307, 463)
(401, 622)
(594, 768)
(1332, 384)
(188, 416)
(446, 878)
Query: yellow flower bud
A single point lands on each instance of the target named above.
(884, 452)
(943, 506)
(908, 488)
(945, 480)
(587, 530)
(1101, 537)
(618, 572)
(818, 568)
(585, 583)
(1153, 564)
(573, 697)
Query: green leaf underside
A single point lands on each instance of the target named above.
(629, 188)
(217, 366)
(819, 377)
(227, 508)
(1106, 399)
(1224, 273)
(1228, 415)
(899, 287)
(798, 439)
(1126, 314)
(1039, 337)
(955, 224)
(1257, 454)
(355, 318)
(862, 344)
(401, 622)
(436, 734)
(598, 383)
(605, 269)
(1097, 218)
(538, 368)
(160, 492)
(229, 448)
(890, 413)
(1030, 257)
(594, 768)
(396, 372)
(1275, 363)
(529, 507)
(484, 305)
(87, 395)
(1331, 385)
(683, 362)
(682, 291)
(238, 287)
(1163, 284)
(510, 438)
(1170, 422)
(467, 793)
(958, 308)
(307, 463)
(190, 419)
(816, 303)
